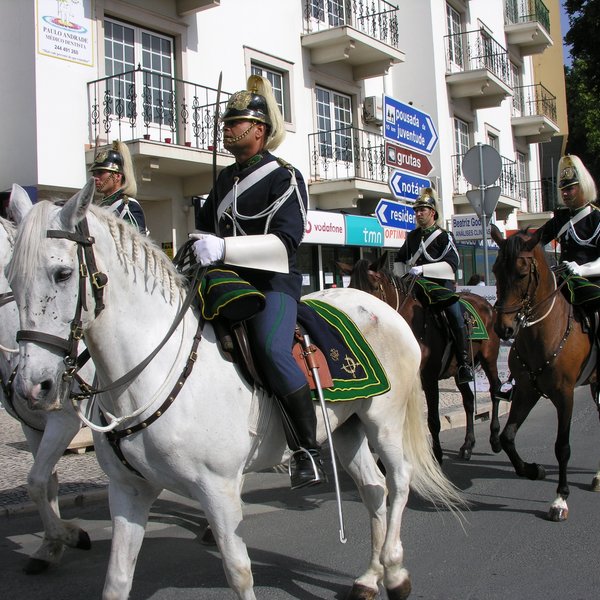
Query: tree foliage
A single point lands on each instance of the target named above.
(583, 82)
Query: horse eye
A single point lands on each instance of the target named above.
(63, 275)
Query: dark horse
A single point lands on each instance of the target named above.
(552, 352)
(437, 362)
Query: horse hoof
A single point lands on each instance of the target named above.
(361, 592)
(35, 566)
(208, 537)
(496, 446)
(596, 484)
(84, 542)
(557, 514)
(402, 592)
(465, 453)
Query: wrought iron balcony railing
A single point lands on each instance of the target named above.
(532, 100)
(524, 11)
(376, 18)
(475, 50)
(346, 153)
(140, 104)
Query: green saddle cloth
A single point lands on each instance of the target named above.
(439, 297)
(582, 292)
(355, 369)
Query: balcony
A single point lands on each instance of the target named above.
(539, 199)
(477, 68)
(347, 169)
(527, 26)
(189, 7)
(534, 114)
(167, 122)
(359, 33)
(510, 189)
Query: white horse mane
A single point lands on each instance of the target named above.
(132, 248)
(10, 229)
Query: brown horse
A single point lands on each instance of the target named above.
(437, 361)
(552, 352)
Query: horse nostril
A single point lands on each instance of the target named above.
(46, 385)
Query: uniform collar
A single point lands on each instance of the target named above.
(110, 199)
(250, 162)
(427, 230)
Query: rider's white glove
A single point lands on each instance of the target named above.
(573, 267)
(416, 271)
(208, 248)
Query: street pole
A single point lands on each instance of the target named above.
(483, 217)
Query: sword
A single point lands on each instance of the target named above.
(309, 350)
(214, 154)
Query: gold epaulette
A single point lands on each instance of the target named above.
(285, 163)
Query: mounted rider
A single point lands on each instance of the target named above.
(114, 177)
(258, 213)
(431, 255)
(577, 228)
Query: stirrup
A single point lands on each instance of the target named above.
(304, 477)
(464, 374)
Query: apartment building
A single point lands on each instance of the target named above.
(81, 73)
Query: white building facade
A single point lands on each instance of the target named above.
(79, 74)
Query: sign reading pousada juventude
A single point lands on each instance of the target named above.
(63, 30)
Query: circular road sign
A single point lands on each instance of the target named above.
(482, 155)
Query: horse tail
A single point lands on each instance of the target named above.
(428, 479)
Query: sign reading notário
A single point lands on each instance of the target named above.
(64, 31)
(408, 126)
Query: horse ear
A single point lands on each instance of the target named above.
(345, 268)
(497, 235)
(19, 204)
(533, 241)
(380, 263)
(76, 207)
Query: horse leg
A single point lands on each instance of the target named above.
(468, 399)
(42, 485)
(559, 511)
(356, 458)
(431, 389)
(491, 371)
(223, 509)
(524, 399)
(129, 508)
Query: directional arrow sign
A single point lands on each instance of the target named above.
(394, 214)
(398, 157)
(408, 126)
(406, 186)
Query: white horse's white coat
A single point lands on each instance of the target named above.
(200, 446)
(47, 433)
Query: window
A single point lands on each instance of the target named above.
(517, 91)
(461, 145)
(522, 177)
(278, 81)
(493, 141)
(455, 41)
(334, 124)
(126, 46)
(333, 16)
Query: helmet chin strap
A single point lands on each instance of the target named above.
(237, 138)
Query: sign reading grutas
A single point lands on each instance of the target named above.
(468, 227)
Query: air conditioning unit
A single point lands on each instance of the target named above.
(373, 110)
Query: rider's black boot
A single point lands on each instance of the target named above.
(465, 371)
(300, 424)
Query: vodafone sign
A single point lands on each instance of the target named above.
(325, 228)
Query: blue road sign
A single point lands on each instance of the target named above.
(394, 214)
(407, 125)
(406, 186)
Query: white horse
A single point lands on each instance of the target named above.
(204, 441)
(48, 434)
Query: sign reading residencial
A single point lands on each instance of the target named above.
(408, 126)
(405, 159)
(405, 186)
(395, 214)
(468, 227)
(64, 31)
